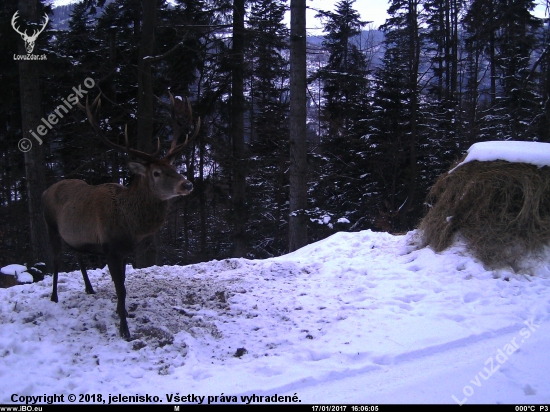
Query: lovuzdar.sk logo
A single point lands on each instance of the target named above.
(29, 40)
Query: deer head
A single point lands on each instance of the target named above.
(29, 40)
(162, 176)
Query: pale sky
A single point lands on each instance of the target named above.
(370, 10)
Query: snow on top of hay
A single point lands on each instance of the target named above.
(534, 153)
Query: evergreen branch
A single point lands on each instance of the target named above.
(169, 52)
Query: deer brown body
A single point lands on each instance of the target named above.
(111, 219)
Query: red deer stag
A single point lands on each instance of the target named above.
(111, 219)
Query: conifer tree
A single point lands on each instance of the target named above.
(444, 116)
(345, 75)
(516, 43)
(397, 120)
(504, 34)
(298, 170)
(342, 182)
(269, 109)
(31, 113)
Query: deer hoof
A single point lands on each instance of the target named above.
(125, 333)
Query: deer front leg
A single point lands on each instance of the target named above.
(117, 269)
(87, 284)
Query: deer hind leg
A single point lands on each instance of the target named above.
(89, 288)
(55, 242)
(56, 260)
(117, 269)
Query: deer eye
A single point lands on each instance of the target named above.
(156, 173)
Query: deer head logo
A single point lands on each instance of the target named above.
(29, 40)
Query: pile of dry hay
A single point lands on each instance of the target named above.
(502, 209)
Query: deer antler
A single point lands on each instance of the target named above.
(176, 108)
(180, 109)
(96, 105)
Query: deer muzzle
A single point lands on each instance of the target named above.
(186, 187)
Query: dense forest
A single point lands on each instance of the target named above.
(388, 110)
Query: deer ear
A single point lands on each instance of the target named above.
(170, 159)
(137, 168)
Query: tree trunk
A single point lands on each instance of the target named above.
(414, 55)
(35, 169)
(492, 55)
(146, 254)
(202, 200)
(298, 143)
(237, 132)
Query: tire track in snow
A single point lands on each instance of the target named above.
(435, 374)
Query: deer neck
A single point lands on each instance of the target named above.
(144, 212)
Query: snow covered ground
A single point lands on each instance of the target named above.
(356, 318)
